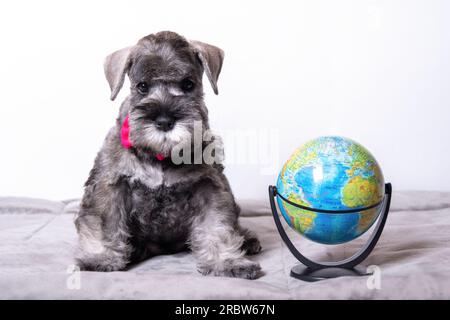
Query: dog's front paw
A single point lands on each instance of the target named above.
(239, 268)
(251, 246)
(100, 262)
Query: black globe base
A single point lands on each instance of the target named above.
(314, 271)
(311, 275)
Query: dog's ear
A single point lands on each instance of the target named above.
(116, 65)
(211, 58)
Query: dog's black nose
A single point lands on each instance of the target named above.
(164, 123)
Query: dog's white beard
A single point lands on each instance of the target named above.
(164, 142)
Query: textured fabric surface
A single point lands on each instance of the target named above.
(37, 238)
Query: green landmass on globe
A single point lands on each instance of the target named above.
(331, 173)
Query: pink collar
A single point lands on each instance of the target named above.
(125, 138)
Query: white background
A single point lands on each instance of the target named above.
(375, 71)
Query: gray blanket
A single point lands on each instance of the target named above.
(37, 238)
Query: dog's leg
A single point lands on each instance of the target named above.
(251, 243)
(95, 253)
(217, 244)
(102, 240)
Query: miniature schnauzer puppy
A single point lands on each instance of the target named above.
(137, 202)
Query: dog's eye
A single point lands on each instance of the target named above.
(187, 85)
(142, 87)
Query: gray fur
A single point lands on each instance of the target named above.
(135, 206)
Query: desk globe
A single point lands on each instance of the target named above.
(331, 191)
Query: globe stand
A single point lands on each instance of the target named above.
(315, 271)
